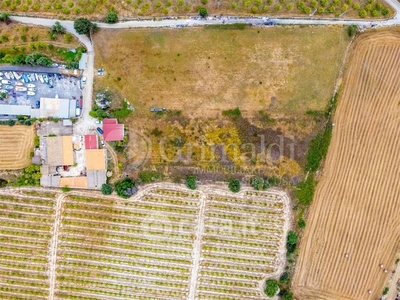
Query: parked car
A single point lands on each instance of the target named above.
(38, 104)
(99, 130)
(103, 143)
(83, 79)
(99, 122)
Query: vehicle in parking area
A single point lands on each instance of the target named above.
(99, 122)
(83, 79)
(99, 130)
(38, 104)
(103, 143)
(78, 111)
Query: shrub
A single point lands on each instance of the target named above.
(65, 189)
(234, 185)
(254, 9)
(291, 241)
(271, 287)
(148, 176)
(385, 11)
(232, 113)
(305, 190)
(191, 182)
(356, 6)
(112, 17)
(106, 189)
(385, 291)
(277, 7)
(301, 223)
(68, 37)
(257, 183)
(374, 13)
(284, 278)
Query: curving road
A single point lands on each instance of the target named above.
(86, 121)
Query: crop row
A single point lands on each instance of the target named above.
(9, 200)
(175, 193)
(262, 202)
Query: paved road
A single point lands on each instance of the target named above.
(36, 69)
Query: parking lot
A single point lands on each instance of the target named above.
(58, 85)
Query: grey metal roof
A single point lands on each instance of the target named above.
(96, 178)
(15, 110)
(82, 61)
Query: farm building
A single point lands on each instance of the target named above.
(95, 159)
(49, 107)
(59, 151)
(112, 130)
(91, 141)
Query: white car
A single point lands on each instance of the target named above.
(103, 143)
(99, 122)
(83, 79)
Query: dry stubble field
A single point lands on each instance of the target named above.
(167, 242)
(16, 143)
(356, 205)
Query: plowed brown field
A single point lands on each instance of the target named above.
(16, 143)
(357, 204)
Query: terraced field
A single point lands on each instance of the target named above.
(167, 242)
(25, 231)
(354, 223)
(16, 143)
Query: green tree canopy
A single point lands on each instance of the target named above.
(191, 182)
(291, 241)
(203, 12)
(234, 185)
(106, 189)
(84, 26)
(125, 187)
(271, 287)
(112, 17)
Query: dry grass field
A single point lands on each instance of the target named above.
(274, 75)
(188, 70)
(356, 205)
(167, 242)
(134, 8)
(16, 143)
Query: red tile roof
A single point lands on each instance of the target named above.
(113, 132)
(110, 121)
(90, 141)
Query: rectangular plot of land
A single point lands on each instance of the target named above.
(25, 231)
(127, 249)
(243, 243)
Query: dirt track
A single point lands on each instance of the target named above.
(16, 143)
(357, 203)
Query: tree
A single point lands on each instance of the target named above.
(112, 17)
(5, 17)
(57, 28)
(284, 278)
(286, 295)
(352, 30)
(191, 182)
(126, 187)
(271, 287)
(362, 13)
(385, 11)
(106, 189)
(234, 185)
(203, 12)
(44, 61)
(291, 241)
(84, 26)
(305, 190)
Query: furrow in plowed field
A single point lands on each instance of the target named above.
(16, 143)
(356, 205)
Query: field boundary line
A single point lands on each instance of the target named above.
(54, 245)
(196, 252)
